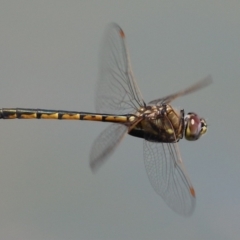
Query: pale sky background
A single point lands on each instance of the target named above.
(49, 54)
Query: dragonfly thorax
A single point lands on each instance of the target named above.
(158, 124)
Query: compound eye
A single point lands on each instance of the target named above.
(195, 126)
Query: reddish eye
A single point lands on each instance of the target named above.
(194, 126)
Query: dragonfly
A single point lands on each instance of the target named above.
(119, 101)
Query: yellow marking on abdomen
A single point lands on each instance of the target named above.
(71, 116)
(49, 116)
(116, 119)
(11, 116)
(28, 116)
(93, 117)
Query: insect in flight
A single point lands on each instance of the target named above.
(118, 100)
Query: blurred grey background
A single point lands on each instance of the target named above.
(49, 54)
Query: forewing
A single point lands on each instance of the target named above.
(117, 91)
(105, 144)
(197, 86)
(168, 176)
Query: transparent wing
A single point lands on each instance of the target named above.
(105, 144)
(117, 91)
(168, 176)
(197, 86)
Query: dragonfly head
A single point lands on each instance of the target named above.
(195, 126)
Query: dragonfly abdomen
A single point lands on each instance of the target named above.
(28, 113)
